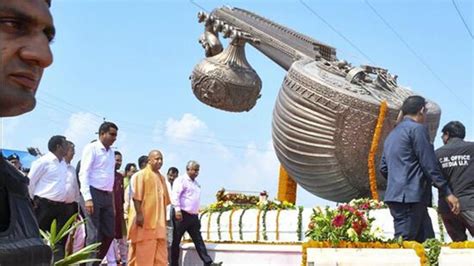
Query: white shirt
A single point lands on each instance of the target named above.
(72, 188)
(97, 169)
(132, 181)
(48, 178)
(168, 207)
(186, 194)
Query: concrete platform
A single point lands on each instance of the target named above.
(455, 257)
(244, 254)
(266, 254)
(361, 257)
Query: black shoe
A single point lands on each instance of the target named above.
(216, 263)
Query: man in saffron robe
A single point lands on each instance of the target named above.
(147, 221)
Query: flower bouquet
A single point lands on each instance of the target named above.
(347, 222)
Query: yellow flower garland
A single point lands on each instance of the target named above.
(286, 187)
(230, 224)
(463, 244)
(209, 225)
(373, 150)
(258, 225)
(419, 250)
(277, 230)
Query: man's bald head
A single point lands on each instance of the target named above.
(153, 152)
(155, 160)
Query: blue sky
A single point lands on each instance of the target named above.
(129, 62)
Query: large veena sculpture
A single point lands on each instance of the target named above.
(326, 111)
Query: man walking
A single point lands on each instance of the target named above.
(410, 166)
(455, 159)
(147, 231)
(48, 179)
(185, 200)
(117, 253)
(170, 177)
(72, 187)
(76, 240)
(97, 175)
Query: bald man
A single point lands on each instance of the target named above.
(147, 221)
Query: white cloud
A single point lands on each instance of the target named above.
(82, 128)
(257, 170)
(157, 134)
(184, 129)
(192, 132)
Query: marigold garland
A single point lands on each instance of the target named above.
(463, 244)
(419, 250)
(230, 225)
(373, 150)
(277, 233)
(417, 247)
(286, 187)
(258, 225)
(209, 226)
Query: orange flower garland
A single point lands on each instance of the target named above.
(373, 150)
(230, 224)
(464, 244)
(419, 250)
(286, 187)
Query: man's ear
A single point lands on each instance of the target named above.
(399, 117)
(422, 110)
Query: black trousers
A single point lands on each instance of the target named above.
(456, 225)
(411, 221)
(101, 224)
(46, 211)
(191, 224)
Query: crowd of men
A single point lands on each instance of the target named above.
(140, 201)
(138, 231)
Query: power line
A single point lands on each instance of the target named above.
(74, 106)
(417, 56)
(198, 5)
(462, 18)
(336, 31)
(212, 140)
(101, 118)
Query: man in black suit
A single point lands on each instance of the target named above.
(410, 166)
